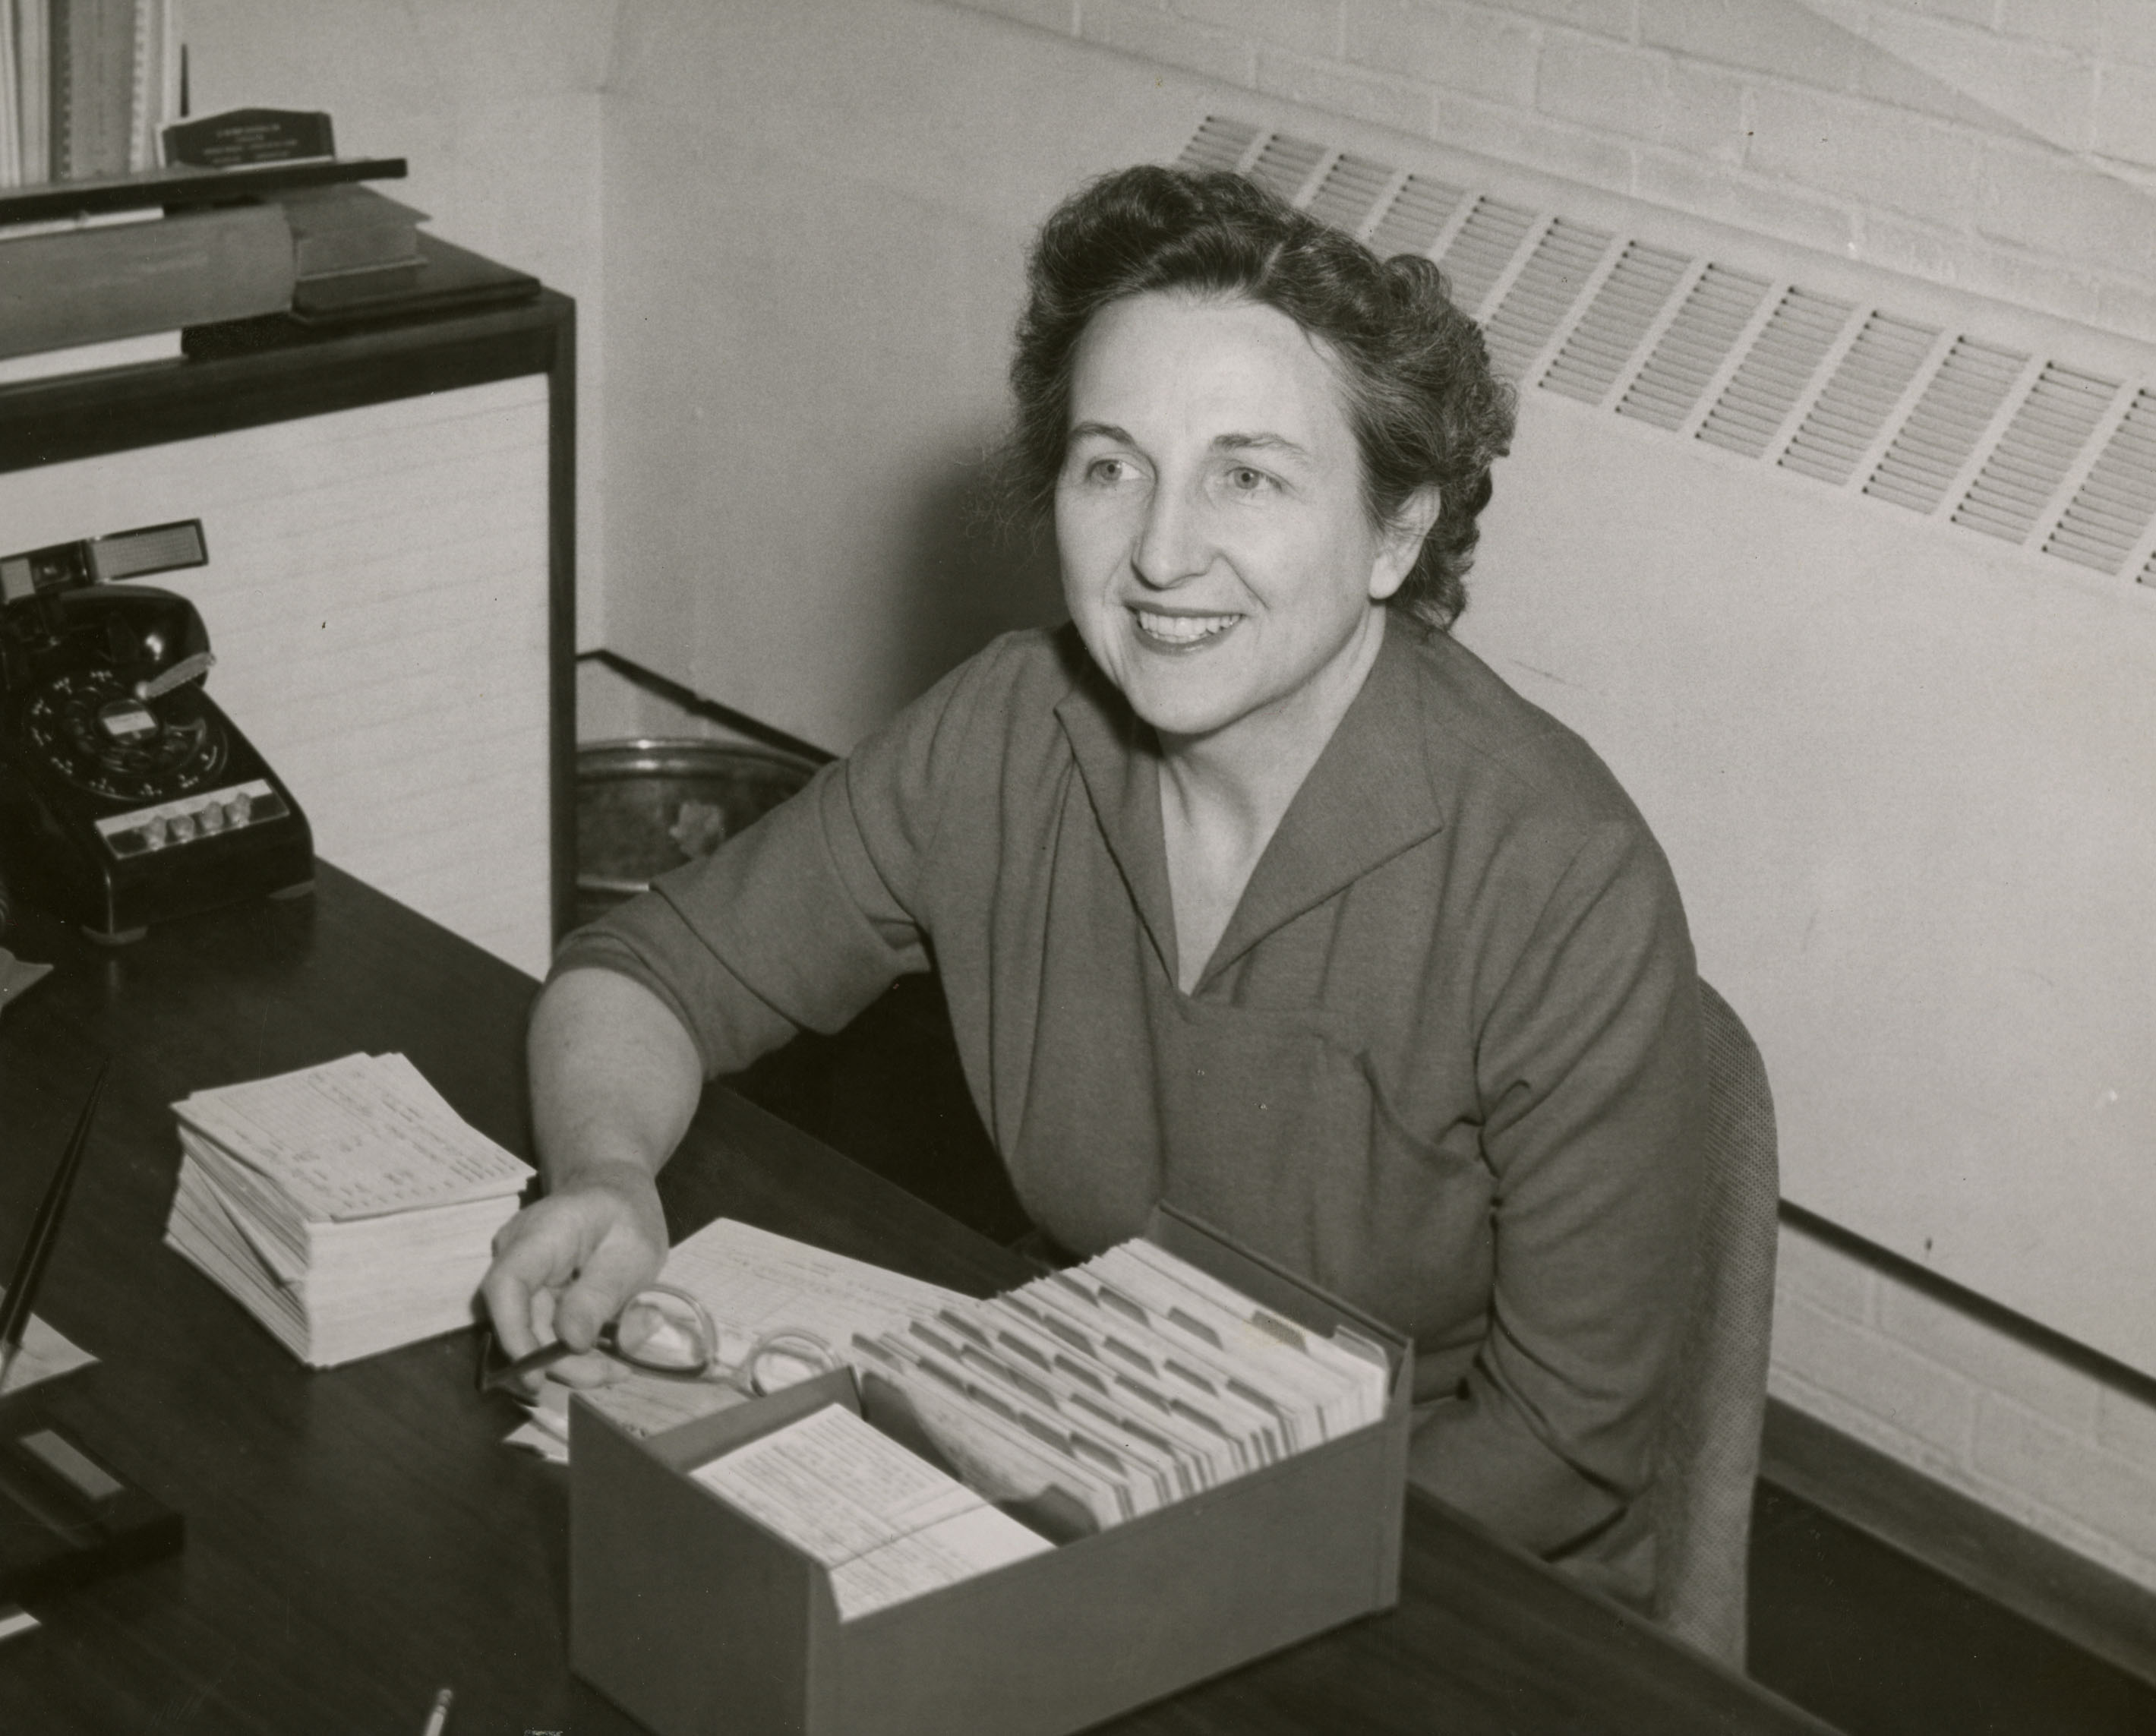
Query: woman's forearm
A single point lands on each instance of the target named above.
(615, 1078)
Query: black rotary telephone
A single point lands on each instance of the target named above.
(126, 797)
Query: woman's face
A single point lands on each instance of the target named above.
(1217, 556)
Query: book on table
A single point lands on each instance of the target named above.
(345, 227)
(347, 1206)
(94, 283)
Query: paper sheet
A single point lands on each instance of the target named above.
(16, 976)
(545, 1442)
(942, 1555)
(44, 1354)
(753, 1283)
(201, 1171)
(355, 1138)
(889, 1526)
(834, 1486)
(642, 1403)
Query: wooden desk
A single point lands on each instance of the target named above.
(358, 1538)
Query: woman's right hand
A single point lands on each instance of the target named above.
(614, 1079)
(568, 1264)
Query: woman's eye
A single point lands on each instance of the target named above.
(1245, 480)
(1108, 470)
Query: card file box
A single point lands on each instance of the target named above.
(694, 1618)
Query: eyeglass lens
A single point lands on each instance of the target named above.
(663, 1333)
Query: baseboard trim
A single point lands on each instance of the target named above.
(2039, 1581)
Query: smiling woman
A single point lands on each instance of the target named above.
(1251, 890)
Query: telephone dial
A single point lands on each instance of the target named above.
(126, 797)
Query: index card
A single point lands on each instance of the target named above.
(942, 1554)
(354, 1138)
(753, 1283)
(1357, 1375)
(834, 1486)
(889, 1526)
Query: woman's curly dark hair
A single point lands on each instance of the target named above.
(1421, 398)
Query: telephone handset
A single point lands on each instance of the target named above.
(131, 798)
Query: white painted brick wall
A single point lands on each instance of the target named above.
(1517, 135)
(2007, 146)
(2125, 120)
(1060, 16)
(1401, 103)
(1302, 27)
(2050, 1445)
(1487, 54)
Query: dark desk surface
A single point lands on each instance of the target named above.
(358, 1538)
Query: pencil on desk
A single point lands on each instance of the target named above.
(45, 1230)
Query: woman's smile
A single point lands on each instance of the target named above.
(1176, 630)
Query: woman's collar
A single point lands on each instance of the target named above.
(1369, 796)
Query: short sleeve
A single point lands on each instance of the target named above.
(806, 917)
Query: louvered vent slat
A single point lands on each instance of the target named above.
(2018, 492)
(2116, 501)
(2125, 497)
(1348, 195)
(2068, 421)
(1743, 427)
(1771, 377)
(1852, 430)
(2045, 452)
(1630, 293)
(1614, 322)
(1712, 317)
(1660, 408)
(2098, 502)
(1992, 523)
(1770, 380)
(1864, 408)
(1416, 218)
(1850, 413)
(1218, 144)
(1285, 163)
(2088, 551)
(1483, 249)
(1542, 295)
(1539, 308)
(1942, 432)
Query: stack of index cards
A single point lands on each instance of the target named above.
(1096, 1394)
(347, 1205)
(888, 1525)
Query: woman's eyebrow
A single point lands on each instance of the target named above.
(1260, 443)
(1110, 432)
